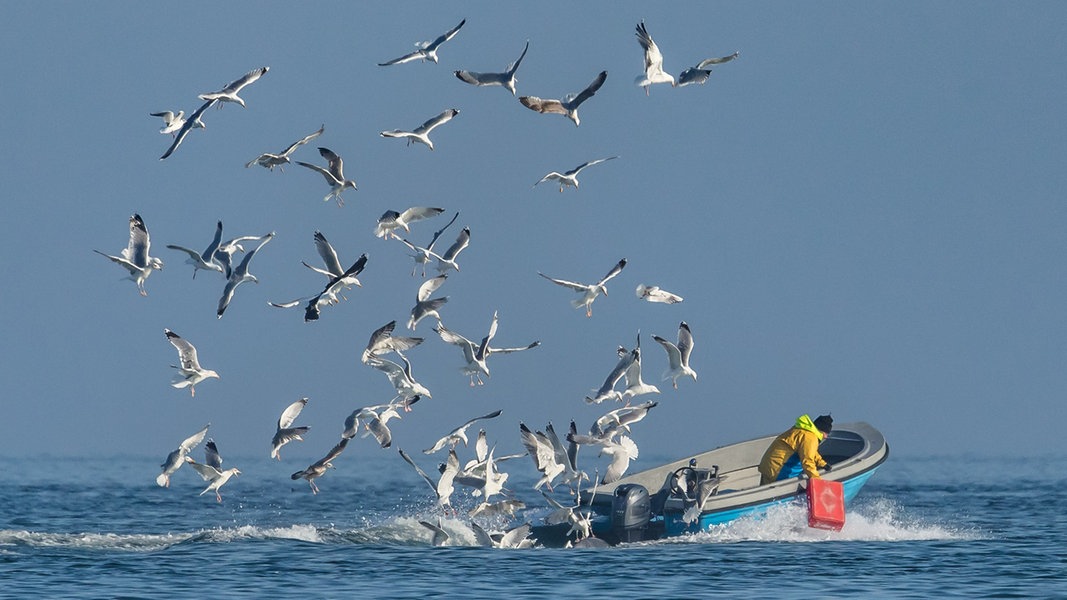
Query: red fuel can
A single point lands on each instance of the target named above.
(826, 504)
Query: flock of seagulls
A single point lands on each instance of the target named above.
(556, 460)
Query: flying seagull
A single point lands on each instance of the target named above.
(421, 133)
(190, 372)
(654, 72)
(240, 275)
(382, 342)
(171, 122)
(332, 264)
(392, 220)
(426, 50)
(229, 93)
(443, 487)
(204, 260)
(589, 291)
(134, 257)
(571, 177)
(476, 355)
(401, 378)
(212, 472)
(635, 386)
(423, 255)
(193, 122)
(281, 159)
(459, 434)
(506, 79)
(285, 432)
(447, 260)
(318, 468)
(375, 420)
(678, 355)
(426, 306)
(334, 174)
(700, 72)
(329, 294)
(176, 458)
(607, 389)
(653, 293)
(568, 106)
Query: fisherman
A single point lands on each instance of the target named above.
(796, 451)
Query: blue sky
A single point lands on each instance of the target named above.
(864, 213)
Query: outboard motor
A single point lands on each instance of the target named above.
(631, 511)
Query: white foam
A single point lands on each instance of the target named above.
(103, 541)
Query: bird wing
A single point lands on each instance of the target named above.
(208, 472)
(717, 61)
(290, 413)
(212, 458)
(685, 342)
(418, 213)
(236, 85)
(462, 241)
(515, 65)
(336, 165)
(430, 482)
(451, 33)
(428, 126)
(137, 249)
(187, 127)
(302, 141)
(589, 164)
(193, 441)
(614, 271)
(186, 351)
(430, 286)
(333, 453)
(653, 57)
(674, 357)
(543, 105)
(592, 88)
(578, 287)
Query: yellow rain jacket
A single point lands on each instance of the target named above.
(803, 439)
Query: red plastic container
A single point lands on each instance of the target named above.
(826, 504)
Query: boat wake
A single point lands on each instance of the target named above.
(874, 520)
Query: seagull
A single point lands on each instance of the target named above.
(581, 526)
(700, 72)
(516, 537)
(226, 250)
(653, 293)
(447, 260)
(382, 342)
(229, 93)
(421, 133)
(654, 72)
(544, 455)
(443, 487)
(426, 306)
(212, 471)
(440, 536)
(506, 79)
(204, 260)
(589, 291)
(319, 467)
(476, 355)
(426, 50)
(286, 432)
(568, 106)
(171, 122)
(281, 159)
(423, 255)
(622, 451)
(678, 355)
(240, 275)
(193, 122)
(571, 177)
(134, 258)
(634, 385)
(607, 390)
(392, 220)
(403, 382)
(334, 174)
(331, 262)
(176, 458)
(459, 434)
(615, 421)
(374, 419)
(329, 294)
(190, 372)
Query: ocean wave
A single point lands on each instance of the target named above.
(878, 520)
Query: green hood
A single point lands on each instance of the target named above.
(804, 422)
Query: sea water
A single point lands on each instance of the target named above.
(920, 528)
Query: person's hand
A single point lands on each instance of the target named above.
(827, 467)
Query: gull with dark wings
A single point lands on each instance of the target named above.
(270, 160)
(318, 468)
(134, 257)
(421, 133)
(568, 106)
(571, 177)
(700, 72)
(506, 79)
(426, 50)
(334, 174)
(589, 292)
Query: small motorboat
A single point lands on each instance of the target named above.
(715, 487)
